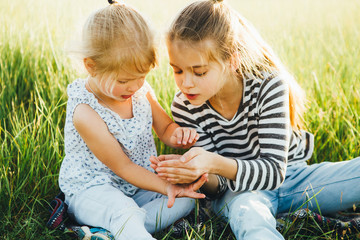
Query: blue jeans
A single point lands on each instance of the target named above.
(135, 217)
(329, 186)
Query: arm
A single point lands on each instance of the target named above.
(267, 171)
(169, 132)
(106, 148)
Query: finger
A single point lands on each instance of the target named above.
(184, 178)
(168, 157)
(186, 135)
(172, 181)
(154, 160)
(196, 195)
(197, 136)
(196, 185)
(153, 166)
(179, 136)
(171, 163)
(171, 200)
(179, 180)
(192, 136)
(177, 172)
(186, 157)
(163, 178)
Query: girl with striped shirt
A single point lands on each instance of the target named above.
(247, 111)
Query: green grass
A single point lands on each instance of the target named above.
(318, 40)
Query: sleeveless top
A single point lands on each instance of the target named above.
(80, 168)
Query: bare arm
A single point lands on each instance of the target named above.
(106, 148)
(169, 132)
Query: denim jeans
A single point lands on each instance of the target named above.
(325, 188)
(135, 217)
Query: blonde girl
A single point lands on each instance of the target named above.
(106, 174)
(247, 110)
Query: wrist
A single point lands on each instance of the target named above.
(214, 163)
(165, 188)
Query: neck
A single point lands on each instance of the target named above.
(230, 93)
(228, 99)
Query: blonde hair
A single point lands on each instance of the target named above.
(235, 39)
(118, 38)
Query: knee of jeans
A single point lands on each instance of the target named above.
(248, 204)
(129, 212)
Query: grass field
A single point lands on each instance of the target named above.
(318, 40)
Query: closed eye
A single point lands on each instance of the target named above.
(200, 74)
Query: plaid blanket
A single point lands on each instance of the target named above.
(342, 223)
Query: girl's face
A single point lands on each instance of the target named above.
(197, 78)
(124, 87)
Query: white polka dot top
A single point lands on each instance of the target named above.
(80, 168)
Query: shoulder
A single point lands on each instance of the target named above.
(274, 80)
(85, 117)
(270, 84)
(76, 88)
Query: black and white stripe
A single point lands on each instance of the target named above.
(259, 137)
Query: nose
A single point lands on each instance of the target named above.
(187, 80)
(134, 86)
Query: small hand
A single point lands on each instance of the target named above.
(185, 190)
(184, 137)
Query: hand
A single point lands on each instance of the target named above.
(185, 190)
(187, 168)
(156, 160)
(184, 137)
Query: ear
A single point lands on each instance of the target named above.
(90, 66)
(235, 61)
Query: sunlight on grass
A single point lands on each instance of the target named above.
(319, 41)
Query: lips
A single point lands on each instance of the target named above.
(126, 96)
(191, 96)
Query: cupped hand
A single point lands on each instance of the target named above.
(187, 168)
(185, 190)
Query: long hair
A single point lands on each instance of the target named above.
(234, 37)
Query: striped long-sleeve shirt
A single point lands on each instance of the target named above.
(259, 137)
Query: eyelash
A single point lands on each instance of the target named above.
(196, 74)
(200, 74)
